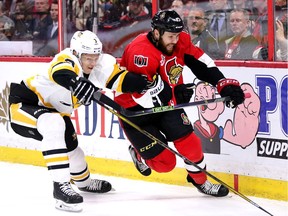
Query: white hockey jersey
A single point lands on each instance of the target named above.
(54, 96)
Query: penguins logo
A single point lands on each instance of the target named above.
(174, 70)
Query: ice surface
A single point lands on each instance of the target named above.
(27, 190)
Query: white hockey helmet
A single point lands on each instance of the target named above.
(85, 42)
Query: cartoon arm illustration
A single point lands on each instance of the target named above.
(243, 129)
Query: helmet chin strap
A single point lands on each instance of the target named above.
(78, 56)
(154, 40)
(79, 59)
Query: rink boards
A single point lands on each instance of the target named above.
(255, 163)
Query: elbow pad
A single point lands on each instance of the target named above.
(134, 83)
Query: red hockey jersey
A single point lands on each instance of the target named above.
(141, 56)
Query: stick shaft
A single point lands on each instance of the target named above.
(144, 132)
(108, 101)
(170, 108)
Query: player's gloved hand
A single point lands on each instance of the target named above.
(183, 92)
(160, 91)
(231, 88)
(83, 89)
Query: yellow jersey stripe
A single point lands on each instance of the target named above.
(19, 116)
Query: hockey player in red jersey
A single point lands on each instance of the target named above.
(159, 56)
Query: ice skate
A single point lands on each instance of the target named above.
(209, 188)
(97, 186)
(139, 164)
(66, 198)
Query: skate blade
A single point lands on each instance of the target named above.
(112, 189)
(73, 207)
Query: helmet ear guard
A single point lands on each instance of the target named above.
(167, 20)
(85, 42)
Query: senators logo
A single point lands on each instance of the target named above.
(140, 61)
(174, 70)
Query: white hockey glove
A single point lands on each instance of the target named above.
(83, 89)
(158, 93)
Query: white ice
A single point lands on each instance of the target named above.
(27, 190)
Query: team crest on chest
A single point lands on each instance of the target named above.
(173, 70)
(185, 119)
(140, 61)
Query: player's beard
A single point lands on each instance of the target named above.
(163, 49)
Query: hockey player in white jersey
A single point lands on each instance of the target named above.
(40, 108)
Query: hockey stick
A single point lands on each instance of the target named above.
(130, 113)
(101, 97)
(111, 103)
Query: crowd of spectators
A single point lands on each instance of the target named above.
(208, 21)
(37, 20)
(26, 20)
(240, 26)
(123, 13)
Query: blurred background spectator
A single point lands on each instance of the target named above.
(243, 45)
(50, 46)
(2, 32)
(106, 5)
(136, 11)
(218, 14)
(241, 4)
(189, 5)
(201, 37)
(259, 19)
(7, 23)
(111, 16)
(81, 11)
(23, 23)
(183, 7)
(281, 40)
(280, 8)
(41, 21)
(178, 6)
(52, 31)
(11, 5)
(165, 4)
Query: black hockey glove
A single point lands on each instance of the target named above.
(231, 88)
(83, 89)
(183, 92)
(160, 91)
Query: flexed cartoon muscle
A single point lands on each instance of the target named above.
(243, 129)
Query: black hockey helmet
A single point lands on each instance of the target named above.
(167, 20)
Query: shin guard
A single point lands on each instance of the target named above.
(190, 147)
